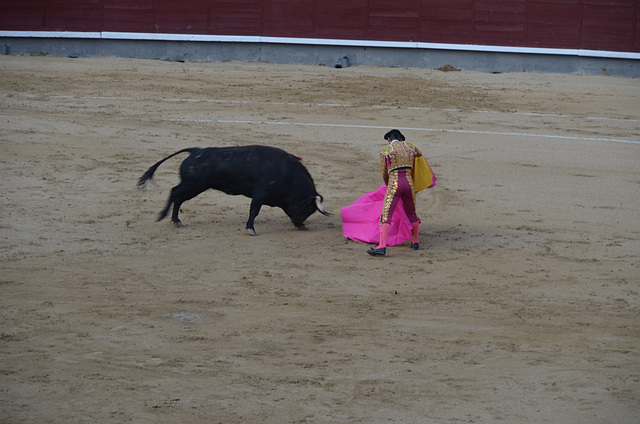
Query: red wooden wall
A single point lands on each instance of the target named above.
(612, 25)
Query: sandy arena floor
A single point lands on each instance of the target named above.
(522, 307)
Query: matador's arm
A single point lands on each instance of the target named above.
(383, 168)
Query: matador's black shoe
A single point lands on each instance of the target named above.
(377, 252)
(415, 246)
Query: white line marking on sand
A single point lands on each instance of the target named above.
(345, 105)
(310, 124)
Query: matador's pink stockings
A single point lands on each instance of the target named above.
(415, 226)
(384, 233)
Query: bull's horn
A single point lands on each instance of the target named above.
(320, 208)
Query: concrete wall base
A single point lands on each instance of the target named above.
(328, 55)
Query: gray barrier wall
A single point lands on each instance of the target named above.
(328, 55)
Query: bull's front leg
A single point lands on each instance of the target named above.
(256, 204)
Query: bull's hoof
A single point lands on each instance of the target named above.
(302, 227)
(251, 232)
(178, 224)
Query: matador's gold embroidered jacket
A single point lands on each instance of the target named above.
(398, 154)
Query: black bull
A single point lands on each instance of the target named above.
(269, 176)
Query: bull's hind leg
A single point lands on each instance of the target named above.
(179, 195)
(163, 213)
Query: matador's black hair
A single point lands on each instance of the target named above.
(394, 135)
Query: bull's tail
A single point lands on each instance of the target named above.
(149, 174)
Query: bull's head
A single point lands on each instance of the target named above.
(300, 214)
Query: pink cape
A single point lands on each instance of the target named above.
(361, 220)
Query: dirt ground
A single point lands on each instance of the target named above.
(522, 306)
